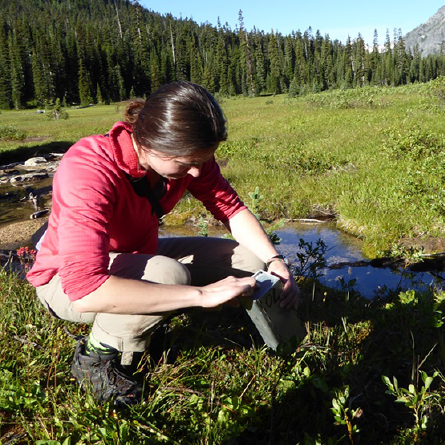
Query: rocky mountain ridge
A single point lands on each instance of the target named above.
(429, 36)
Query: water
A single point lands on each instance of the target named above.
(341, 248)
(14, 205)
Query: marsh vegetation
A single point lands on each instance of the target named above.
(368, 372)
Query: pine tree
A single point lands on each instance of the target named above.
(388, 62)
(39, 83)
(301, 70)
(327, 61)
(260, 64)
(374, 76)
(99, 99)
(360, 61)
(348, 63)
(274, 77)
(17, 74)
(155, 73)
(402, 61)
(85, 96)
(222, 64)
(289, 59)
(247, 67)
(5, 70)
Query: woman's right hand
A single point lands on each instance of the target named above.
(226, 291)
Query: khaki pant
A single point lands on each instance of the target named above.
(196, 261)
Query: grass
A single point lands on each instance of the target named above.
(216, 383)
(368, 372)
(372, 157)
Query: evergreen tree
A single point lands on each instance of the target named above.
(5, 70)
(360, 62)
(327, 62)
(39, 83)
(99, 99)
(301, 70)
(402, 61)
(260, 64)
(289, 59)
(388, 62)
(274, 78)
(348, 62)
(155, 74)
(85, 96)
(247, 68)
(103, 49)
(374, 73)
(17, 74)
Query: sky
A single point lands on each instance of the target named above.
(339, 19)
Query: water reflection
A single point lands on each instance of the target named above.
(341, 248)
(14, 203)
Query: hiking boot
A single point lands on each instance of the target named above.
(102, 374)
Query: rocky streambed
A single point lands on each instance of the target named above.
(25, 198)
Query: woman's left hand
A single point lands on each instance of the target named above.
(290, 295)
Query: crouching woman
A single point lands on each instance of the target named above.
(101, 261)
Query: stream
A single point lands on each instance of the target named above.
(369, 281)
(357, 274)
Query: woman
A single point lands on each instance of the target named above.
(101, 261)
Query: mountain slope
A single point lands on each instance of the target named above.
(429, 36)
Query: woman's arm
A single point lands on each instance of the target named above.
(143, 297)
(248, 231)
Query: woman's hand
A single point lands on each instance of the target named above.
(290, 295)
(226, 291)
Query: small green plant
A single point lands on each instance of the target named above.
(310, 258)
(437, 88)
(255, 199)
(203, 225)
(343, 414)
(411, 254)
(10, 133)
(55, 111)
(413, 143)
(416, 398)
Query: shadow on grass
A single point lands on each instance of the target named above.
(362, 341)
(352, 344)
(22, 153)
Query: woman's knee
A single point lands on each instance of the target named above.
(165, 270)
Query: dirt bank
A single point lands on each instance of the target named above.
(15, 235)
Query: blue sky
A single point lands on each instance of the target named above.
(336, 18)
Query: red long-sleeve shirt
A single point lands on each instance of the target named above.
(96, 211)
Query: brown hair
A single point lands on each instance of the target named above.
(179, 119)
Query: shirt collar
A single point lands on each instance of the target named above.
(123, 149)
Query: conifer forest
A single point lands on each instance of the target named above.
(102, 51)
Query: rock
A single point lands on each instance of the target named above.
(39, 214)
(27, 177)
(9, 166)
(33, 162)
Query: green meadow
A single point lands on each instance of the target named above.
(372, 158)
(368, 372)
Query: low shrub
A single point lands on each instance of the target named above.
(10, 133)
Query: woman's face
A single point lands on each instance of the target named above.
(175, 167)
